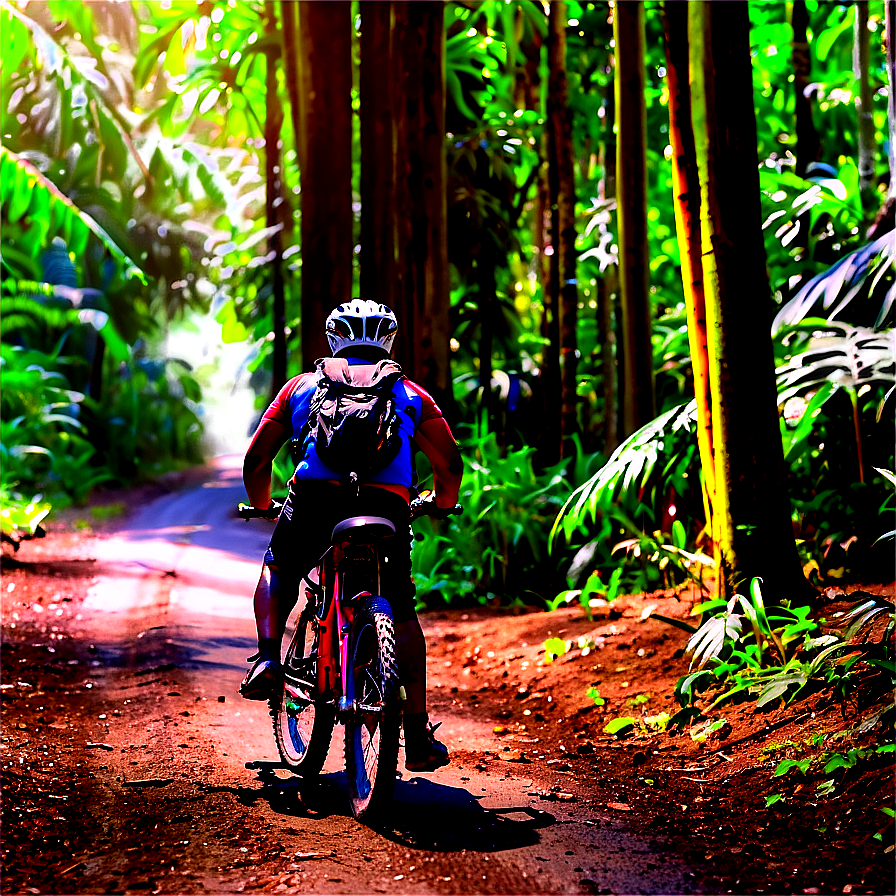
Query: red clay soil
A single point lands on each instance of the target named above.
(708, 799)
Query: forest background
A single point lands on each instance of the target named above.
(641, 253)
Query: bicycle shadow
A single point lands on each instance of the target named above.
(424, 814)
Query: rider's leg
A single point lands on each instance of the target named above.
(423, 752)
(411, 649)
(272, 608)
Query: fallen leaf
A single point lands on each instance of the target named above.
(622, 807)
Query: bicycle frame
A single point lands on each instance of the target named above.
(334, 625)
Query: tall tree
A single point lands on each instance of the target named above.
(419, 204)
(751, 516)
(273, 126)
(886, 218)
(325, 160)
(608, 284)
(434, 331)
(686, 188)
(561, 176)
(865, 135)
(807, 142)
(377, 153)
(638, 403)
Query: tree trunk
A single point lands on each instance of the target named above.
(291, 73)
(273, 127)
(686, 187)
(377, 154)
(860, 65)
(886, 217)
(608, 286)
(561, 173)
(420, 176)
(807, 142)
(406, 77)
(638, 406)
(326, 159)
(890, 19)
(435, 305)
(751, 516)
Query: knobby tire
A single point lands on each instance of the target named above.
(371, 736)
(303, 722)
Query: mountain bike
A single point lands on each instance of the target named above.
(341, 665)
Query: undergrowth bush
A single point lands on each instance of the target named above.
(497, 550)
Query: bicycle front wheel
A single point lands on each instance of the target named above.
(303, 722)
(371, 729)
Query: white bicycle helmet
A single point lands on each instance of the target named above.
(361, 322)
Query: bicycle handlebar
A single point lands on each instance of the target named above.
(421, 507)
(418, 507)
(247, 512)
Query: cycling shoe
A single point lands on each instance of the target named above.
(263, 680)
(423, 753)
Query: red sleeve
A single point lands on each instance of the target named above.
(430, 410)
(435, 440)
(279, 410)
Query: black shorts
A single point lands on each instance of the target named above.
(303, 531)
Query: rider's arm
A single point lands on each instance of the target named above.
(275, 429)
(269, 438)
(435, 440)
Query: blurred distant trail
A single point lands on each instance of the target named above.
(150, 740)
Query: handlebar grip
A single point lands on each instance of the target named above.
(420, 508)
(247, 512)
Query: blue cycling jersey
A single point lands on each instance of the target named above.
(413, 405)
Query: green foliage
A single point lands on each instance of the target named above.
(20, 518)
(746, 651)
(554, 648)
(620, 725)
(859, 286)
(497, 549)
(30, 199)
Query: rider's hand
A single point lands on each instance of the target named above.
(427, 504)
(273, 512)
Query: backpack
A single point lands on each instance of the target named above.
(352, 417)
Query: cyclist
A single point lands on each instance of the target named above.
(362, 332)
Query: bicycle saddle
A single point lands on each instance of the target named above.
(363, 529)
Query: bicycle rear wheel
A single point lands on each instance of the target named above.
(303, 722)
(371, 729)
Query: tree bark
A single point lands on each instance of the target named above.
(860, 65)
(561, 174)
(686, 187)
(273, 128)
(377, 154)
(751, 516)
(326, 159)
(886, 217)
(422, 296)
(638, 404)
(807, 142)
(435, 329)
(608, 286)
(406, 77)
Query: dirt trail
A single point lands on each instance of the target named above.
(124, 746)
(128, 771)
